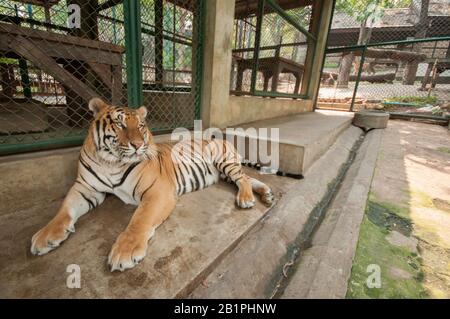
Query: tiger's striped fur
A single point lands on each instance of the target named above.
(119, 157)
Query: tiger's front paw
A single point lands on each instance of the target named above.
(245, 199)
(127, 251)
(50, 237)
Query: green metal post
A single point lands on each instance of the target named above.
(23, 67)
(114, 25)
(25, 79)
(259, 18)
(199, 17)
(358, 78)
(133, 49)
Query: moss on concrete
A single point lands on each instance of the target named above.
(444, 149)
(373, 248)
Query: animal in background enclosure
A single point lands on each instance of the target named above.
(368, 67)
(120, 157)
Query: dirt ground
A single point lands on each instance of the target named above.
(406, 229)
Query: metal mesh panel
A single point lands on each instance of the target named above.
(376, 21)
(395, 57)
(56, 55)
(281, 54)
(168, 72)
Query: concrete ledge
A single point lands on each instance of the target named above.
(371, 119)
(254, 267)
(32, 179)
(303, 138)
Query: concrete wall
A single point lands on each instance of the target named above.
(219, 109)
(244, 109)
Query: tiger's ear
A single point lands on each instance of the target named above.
(96, 105)
(142, 112)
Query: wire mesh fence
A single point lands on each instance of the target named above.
(56, 55)
(280, 46)
(391, 55)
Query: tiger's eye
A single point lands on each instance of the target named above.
(119, 125)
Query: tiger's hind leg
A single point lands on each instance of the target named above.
(263, 191)
(228, 163)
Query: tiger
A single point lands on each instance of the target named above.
(119, 156)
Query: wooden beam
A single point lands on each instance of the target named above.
(41, 3)
(108, 4)
(62, 51)
(245, 8)
(405, 56)
(117, 86)
(60, 38)
(103, 72)
(28, 50)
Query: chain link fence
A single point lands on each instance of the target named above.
(391, 55)
(55, 55)
(280, 46)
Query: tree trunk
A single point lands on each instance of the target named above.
(409, 75)
(345, 69)
(7, 79)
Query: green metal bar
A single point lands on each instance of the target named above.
(324, 53)
(18, 20)
(418, 116)
(114, 25)
(289, 19)
(158, 6)
(23, 69)
(411, 41)
(200, 16)
(133, 49)
(174, 38)
(312, 45)
(69, 141)
(25, 79)
(259, 19)
(358, 78)
(279, 94)
(402, 104)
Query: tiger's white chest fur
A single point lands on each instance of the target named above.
(125, 195)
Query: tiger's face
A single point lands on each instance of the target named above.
(120, 134)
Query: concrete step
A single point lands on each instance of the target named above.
(323, 270)
(256, 267)
(303, 138)
(187, 256)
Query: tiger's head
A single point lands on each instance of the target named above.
(120, 134)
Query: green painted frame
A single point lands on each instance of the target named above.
(277, 9)
(363, 49)
(133, 49)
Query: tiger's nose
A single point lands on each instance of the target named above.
(136, 144)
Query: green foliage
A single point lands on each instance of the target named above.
(362, 9)
(8, 61)
(419, 100)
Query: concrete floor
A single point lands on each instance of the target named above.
(204, 228)
(378, 91)
(413, 174)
